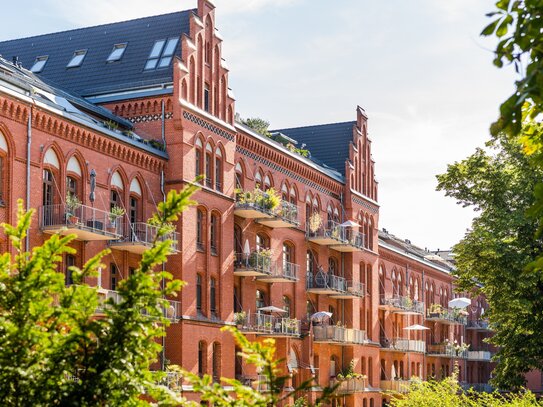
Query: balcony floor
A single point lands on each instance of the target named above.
(276, 223)
(323, 241)
(347, 295)
(131, 247)
(345, 248)
(82, 232)
(277, 279)
(324, 290)
(248, 272)
(249, 213)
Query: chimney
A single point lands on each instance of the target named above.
(15, 60)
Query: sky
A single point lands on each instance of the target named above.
(419, 68)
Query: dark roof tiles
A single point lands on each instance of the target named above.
(96, 75)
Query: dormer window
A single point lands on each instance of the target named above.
(161, 54)
(77, 58)
(39, 64)
(117, 52)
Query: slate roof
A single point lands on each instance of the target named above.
(96, 75)
(328, 143)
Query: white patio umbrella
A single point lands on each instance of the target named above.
(461, 302)
(392, 373)
(246, 248)
(272, 308)
(349, 223)
(415, 327)
(320, 316)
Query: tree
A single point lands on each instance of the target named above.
(54, 351)
(492, 256)
(259, 125)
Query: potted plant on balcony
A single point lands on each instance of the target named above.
(261, 260)
(72, 204)
(114, 214)
(240, 318)
(315, 222)
(291, 325)
(435, 311)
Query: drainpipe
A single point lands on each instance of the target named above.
(28, 146)
(163, 282)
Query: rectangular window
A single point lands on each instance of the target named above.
(199, 293)
(113, 277)
(218, 174)
(70, 262)
(161, 54)
(212, 298)
(206, 97)
(2, 184)
(213, 235)
(77, 58)
(199, 231)
(133, 210)
(208, 171)
(198, 162)
(39, 64)
(117, 52)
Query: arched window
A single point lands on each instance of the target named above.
(262, 242)
(198, 161)
(400, 283)
(209, 163)
(288, 253)
(258, 179)
(284, 192)
(202, 358)
(216, 362)
(311, 262)
(267, 183)
(48, 187)
(218, 169)
(286, 306)
(332, 266)
(214, 233)
(213, 296)
(135, 207)
(117, 188)
(73, 178)
(239, 177)
(293, 196)
(3, 169)
(260, 299)
(200, 225)
(70, 262)
(330, 216)
(199, 290)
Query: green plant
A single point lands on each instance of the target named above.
(115, 213)
(240, 317)
(111, 125)
(72, 204)
(435, 309)
(315, 222)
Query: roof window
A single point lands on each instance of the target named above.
(39, 64)
(117, 52)
(77, 58)
(161, 54)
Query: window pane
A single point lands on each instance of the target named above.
(151, 64)
(170, 47)
(39, 64)
(157, 48)
(117, 52)
(77, 59)
(164, 62)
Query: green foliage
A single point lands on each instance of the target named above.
(262, 356)
(448, 393)
(259, 125)
(492, 256)
(269, 200)
(54, 351)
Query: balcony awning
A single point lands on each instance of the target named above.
(272, 308)
(416, 327)
(321, 316)
(461, 302)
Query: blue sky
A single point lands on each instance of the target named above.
(418, 67)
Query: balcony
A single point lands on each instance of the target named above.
(339, 335)
(354, 290)
(397, 386)
(87, 223)
(285, 216)
(479, 355)
(255, 264)
(138, 237)
(447, 351)
(478, 325)
(325, 283)
(331, 234)
(284, 272)
(403, 345)
(172, 311)
(263, 207)
(401, 305)
(445, 316)
(269, 325)
(353, 241)
(351, 386)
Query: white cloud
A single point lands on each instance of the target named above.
(244, 6)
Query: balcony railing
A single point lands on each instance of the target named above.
(447, 350)
(398, 386)
(403, 345)
(138, 237)
(86, 222)
(171, 311)
(329, 234)
(353, 241)
(446, 316)
(283, 272)
(401, 304)
(478, 387)
(254, 264)
(270, 325)
(325, 283)
(479, 355)
(351, 386)
(478, 324)
(255, 205)
(339, 334)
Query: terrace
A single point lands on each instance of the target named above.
(267, 208)
(138, 237)
(403, 345)
(268, 325)
(339, 335)
(401, 305)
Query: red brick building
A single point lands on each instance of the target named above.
(154, 111)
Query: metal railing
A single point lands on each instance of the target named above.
(269, 324)
(350, 386)
(403, 302)
(478, 323)
(446, 314)
(358, 289)
(404, 345)
(478, 387)
(331, 230)
(479, 355)
(81, 217)
(447, 350)
(289, 212)
(339, 334)
(146, 234)
(353, 237)
(259, 202)
(285, 270)
(254, 261)
(398, 386)
(325, 280)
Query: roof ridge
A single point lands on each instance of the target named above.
(315, 125)
(97, 26)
